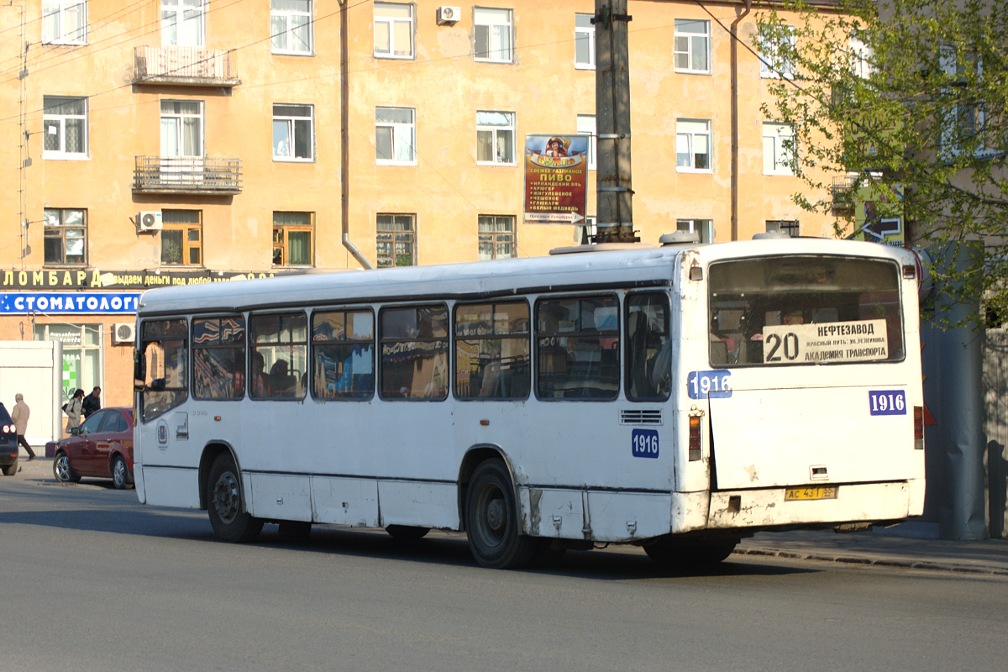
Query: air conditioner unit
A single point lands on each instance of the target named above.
(149, 220)
(447, 14)
(123, 332)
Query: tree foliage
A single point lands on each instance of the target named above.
(909, 98)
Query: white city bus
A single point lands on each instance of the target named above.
(678, 398)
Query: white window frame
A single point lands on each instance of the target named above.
(703, 227)
(287, 117)
(390, 20)
(957, 116)
(401, 135)
(689, 132)
(778, 158)
(57, 17)
(861, 56)
(690, 44)
(774, 65)
(179, 18)
(55, 123)
(493, 35)
(180, 124)
(790, 227)
(584, 35)
(283, 24)
(505, 132)
(586, 125)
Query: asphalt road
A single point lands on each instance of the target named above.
(94, 581)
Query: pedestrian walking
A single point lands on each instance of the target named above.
(91, 402)
(19, 414)
(73, 409)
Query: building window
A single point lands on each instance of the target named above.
(396, 240)
(492, 32)
(586, 231)
(586, 126)
(778, 149)
(395, 132)
(393, 30)
(181, 128)
(777, 54)
(64, 132)
(693, 142)
(786, 226)
(584, 42)
(65, 236)
(82, 353)
(181, 238)
(692, 46)
(64, 22)
(704, 228)
(292, 239)
(291, 26)
(182, 22)
(496, 237)
(964, 120)
(495, 137)
(861, 58)
(293, 133)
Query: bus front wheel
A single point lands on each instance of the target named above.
(491, 517)
(225, 506)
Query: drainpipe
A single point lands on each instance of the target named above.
(345, 140)
(734, 121)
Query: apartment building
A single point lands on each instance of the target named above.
(154, 142)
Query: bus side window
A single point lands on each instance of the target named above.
(649, 348)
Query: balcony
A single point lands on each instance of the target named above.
(185, 66)
(186, 175)
(843, 197)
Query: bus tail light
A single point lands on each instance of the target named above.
(919, 427)
(694, 438)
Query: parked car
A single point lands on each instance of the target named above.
(9, 448)
(102, 447)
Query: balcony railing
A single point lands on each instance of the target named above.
(185, 66)
(187, 175)
(843, 196)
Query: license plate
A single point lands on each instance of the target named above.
(804, 494)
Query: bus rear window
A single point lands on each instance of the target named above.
(804, 310)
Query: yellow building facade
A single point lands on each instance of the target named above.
(184, 141)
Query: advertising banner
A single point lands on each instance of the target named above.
(556, 179)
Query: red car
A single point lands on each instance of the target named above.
(102, 447)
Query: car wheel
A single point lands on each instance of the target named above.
(226, 506)
(491, 517)
(62, 470)
(120, 474)
(11, 469)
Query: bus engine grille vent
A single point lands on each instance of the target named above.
(640, 417)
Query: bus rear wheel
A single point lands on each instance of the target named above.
(225, 504)
(690, 554)
(491, 517)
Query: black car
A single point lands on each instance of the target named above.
(9, 447)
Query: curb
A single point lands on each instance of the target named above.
(908, 563)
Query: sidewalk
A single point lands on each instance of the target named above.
(912, 544)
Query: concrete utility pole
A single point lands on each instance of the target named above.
(614, 196)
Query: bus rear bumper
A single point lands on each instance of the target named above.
(813, 505)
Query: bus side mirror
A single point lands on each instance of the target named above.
(139, 369)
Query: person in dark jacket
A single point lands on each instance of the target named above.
(92, 402)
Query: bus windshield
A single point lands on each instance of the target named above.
(771, 311)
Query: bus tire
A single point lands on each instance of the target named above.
(491, 517)
(407, 534)
(225, 504)
(682, 554)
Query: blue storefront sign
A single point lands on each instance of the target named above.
(69, 303)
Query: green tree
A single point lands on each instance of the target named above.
(907, 98)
